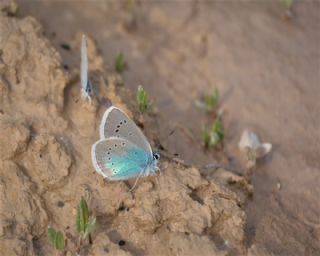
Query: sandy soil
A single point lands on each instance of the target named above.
(46, 135)
(266, 68)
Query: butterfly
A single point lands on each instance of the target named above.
(122, 152)
(254, 149)
(86, 88)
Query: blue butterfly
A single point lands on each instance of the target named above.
(122, 152)
(86, 88)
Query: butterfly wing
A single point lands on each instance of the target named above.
(115, 123)
(84, 64)
(119, 159)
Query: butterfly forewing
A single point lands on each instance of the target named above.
(116, 123)
(119, 159)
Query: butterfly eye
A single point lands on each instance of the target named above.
(156, 156)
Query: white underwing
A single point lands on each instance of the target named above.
(86, 89)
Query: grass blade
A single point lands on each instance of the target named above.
(59, 241)
(52, 235)
(82, 216)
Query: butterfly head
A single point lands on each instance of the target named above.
(88, 89)
(153, 165)
(156, 156)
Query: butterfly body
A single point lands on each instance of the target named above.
(122, 152)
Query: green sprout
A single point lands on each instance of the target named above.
(119, 63)
(210, 101)
(130, 4)
(287, 4)
(84, 222)
(215, 135)
(142, 100)
(56, 238)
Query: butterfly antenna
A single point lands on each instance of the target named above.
(169, 134)
(158, 181)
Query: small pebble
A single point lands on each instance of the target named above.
(278, 186)
(60, 204)
(65, 46)
(122, 242)
(121, 208)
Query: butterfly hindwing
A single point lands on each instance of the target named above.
(119, 159)
(115, 123)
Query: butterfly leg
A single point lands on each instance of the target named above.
(135, 183)
(158, 169)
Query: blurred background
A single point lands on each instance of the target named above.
(263, 58)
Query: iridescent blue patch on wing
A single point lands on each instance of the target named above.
(129, 164)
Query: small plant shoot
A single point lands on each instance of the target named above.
(120, 63)
(56, 238)
(84, 225)
(142, 100)
(84, 222)
(130, 5)
(287, 4)
(209, 102)
(213, 136)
